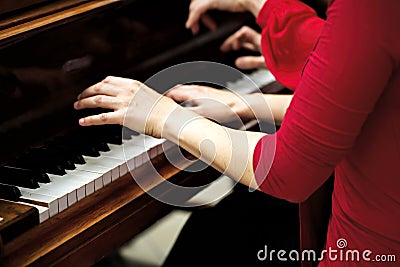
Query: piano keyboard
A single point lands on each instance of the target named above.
(66, 184)
(67, 169)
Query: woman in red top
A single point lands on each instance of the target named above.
(343, 117)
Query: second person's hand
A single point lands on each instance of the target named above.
(245, 38)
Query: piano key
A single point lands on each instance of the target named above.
(50, 202)
(61, 158)
(76, 184)
(62, 199)
(77, 145)
(96, 172)
(9, 192)
(43, 211)
(252, 83)
(96, 168)
(20, 172)
(73, 186)
(111, 164)
(8, 177)
(69, 152)
(32, 162)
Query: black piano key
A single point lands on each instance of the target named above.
(40, 177)
(69, 152)
(37, 162)
(62, 159)
(9, 192)
(112, 134)
(17, 180)
(127, 133)
(77, 145)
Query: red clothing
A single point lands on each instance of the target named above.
(344, 116)
(290, 29)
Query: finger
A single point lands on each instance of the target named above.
(194, 17)
(98, 101)
(209, 22)
(101, 119)
(227, 45)
(235, 39)
(120, 81)
(97, 89)
(250, 46)
(245, 37)
(250, 62)
(195, 28)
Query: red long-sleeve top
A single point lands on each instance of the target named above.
(290, 29)
(344, 117)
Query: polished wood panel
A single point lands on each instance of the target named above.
(48, 16)
(95, 226)
(16, 218)
(12, 5)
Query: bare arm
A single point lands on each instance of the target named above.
(204, 101)
(140, 108)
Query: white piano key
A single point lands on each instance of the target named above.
(259, 78)
(110, 163)
(74, 184)
(86, 179)
(43, 211)
(105, 172)
(62, 197)
(50, 202)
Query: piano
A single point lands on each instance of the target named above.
(67, 196)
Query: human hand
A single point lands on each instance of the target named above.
(198, 12)
(249, 39)
(133, 105)
(215, 104)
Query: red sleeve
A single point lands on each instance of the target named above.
(343, 79)
(290, 29)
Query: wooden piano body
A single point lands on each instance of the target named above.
(49, 52)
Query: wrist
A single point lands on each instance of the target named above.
(172, 125)
(253, 6)
(244, 107)
(160, 114)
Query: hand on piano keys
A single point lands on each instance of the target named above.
(222, 106)
(151, 109)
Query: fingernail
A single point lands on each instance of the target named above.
(81, 121)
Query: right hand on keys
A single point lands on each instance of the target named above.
(218, 105)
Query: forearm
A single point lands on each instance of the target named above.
(254, 6)
(227, 150)
(264, 107)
